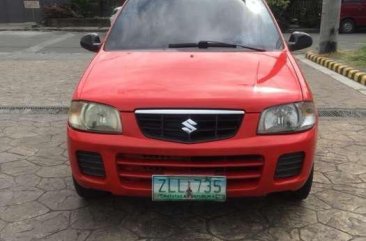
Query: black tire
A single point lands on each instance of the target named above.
(303, 192)
(347, 26)
(87, 193)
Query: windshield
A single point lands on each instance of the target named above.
(158, 24)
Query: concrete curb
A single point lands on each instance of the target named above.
(347, 71)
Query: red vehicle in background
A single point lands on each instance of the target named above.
(353, 15)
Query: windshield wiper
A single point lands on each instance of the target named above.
(213, 44)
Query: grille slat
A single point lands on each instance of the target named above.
(289, 165)
(198, 131)
(90, 163)
(91, 166)
(284, 164)
(229, 176)
(92, 172)
(178, 164)
(289, 168)
(209, 127)
(242, 172)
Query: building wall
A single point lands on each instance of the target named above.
(13, 11)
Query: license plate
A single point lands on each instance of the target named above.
(189, 188)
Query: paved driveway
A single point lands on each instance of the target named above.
(38, 202)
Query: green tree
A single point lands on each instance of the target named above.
(278, 8)
(82, 7)
(306, 13)
(280, 4)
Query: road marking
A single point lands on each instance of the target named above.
(22, 33)
(340, 78)
(8, 56)
(42, 45)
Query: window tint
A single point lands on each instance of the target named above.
(154, 24)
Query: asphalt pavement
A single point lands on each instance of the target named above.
(38, 201)
(68, 42)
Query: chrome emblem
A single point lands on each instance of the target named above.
(189, 126)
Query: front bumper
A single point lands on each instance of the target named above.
(246, 142)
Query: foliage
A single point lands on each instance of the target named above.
(59, 11)
(356, 58)
(278, 8)
(83, 7)
(91, 8)
(305, 13)
(77, 8)
(280, 4)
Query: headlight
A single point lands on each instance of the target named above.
(287, 118)
(94, 117)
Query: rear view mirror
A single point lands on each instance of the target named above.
(91, 42)
(299, 40)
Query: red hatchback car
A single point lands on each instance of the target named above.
(353, 15)
(193, 100)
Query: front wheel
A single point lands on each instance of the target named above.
(88, 193)
(303, 192)
(347, 26)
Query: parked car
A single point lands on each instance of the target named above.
(353, 15)
(114, 14)
(193, 100)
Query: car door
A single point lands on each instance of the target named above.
(354, 9)
(362, 13)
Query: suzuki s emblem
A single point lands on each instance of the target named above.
(189, 126)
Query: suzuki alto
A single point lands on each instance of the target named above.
(193, 100)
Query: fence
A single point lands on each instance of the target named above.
(305, 13)
(86, 8)
(16, 11)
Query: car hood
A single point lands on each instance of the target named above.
(249, 81)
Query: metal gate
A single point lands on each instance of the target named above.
(11, 11)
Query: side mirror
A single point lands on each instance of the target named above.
(299, 40)
(91, 42)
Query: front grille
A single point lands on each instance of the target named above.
(90, 163)
(289, 165)
(189, 126)
(242, 172)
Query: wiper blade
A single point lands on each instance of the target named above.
(213, 44)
